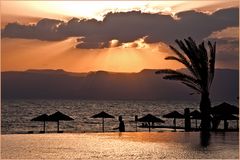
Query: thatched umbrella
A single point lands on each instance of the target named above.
(174, 115)
(42, 118)
(225, 108)
(150, 118)
(225, 118)
(102, 115)
(195, 115)
(56, 117)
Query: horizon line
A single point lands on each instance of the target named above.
(94, 71)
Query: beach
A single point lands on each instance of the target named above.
(113, 145)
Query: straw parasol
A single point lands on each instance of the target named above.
(195, 115)
(150, 118)
(42, 118)
(56, 117)
(102, 115)
(226, 117)
(225, 108)
(174, 115)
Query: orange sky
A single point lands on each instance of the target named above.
(62, 54)
(22, 54)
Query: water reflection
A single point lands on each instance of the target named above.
(126, 145)
(205, 138)
(120, 134)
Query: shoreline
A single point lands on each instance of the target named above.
(83, 132)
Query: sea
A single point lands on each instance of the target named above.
(120, 146)
(16, 115)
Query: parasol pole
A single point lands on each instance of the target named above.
(174, 121)
(103, 124)
(225, 124)
(44, 126)
(136, 120)
(58, 126)
(149, 125)
(237, 124)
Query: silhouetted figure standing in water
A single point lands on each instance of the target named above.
(121, 125)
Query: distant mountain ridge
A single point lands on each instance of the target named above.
(103, 85)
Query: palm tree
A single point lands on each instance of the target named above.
(200, 63)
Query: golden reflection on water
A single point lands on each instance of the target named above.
(153, 136)
(128, 145)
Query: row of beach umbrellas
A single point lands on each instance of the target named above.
(223, 111)
(55, 117)
(150, 119)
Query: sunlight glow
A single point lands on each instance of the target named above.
(23, 54)
(62, 55)
(98, 9)
(139, 43)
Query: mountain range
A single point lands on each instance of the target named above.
(102, 85)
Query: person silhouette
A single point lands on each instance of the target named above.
(121, 126)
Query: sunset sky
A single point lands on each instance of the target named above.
(120, 36)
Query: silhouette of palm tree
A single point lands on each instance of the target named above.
(200, 63)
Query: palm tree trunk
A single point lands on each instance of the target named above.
(187, 119)
(205, 108)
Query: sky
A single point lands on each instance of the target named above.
(116, 36)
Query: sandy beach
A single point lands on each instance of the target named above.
(129, 145)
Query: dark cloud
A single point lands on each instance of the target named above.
(127, 27)
(45, 29)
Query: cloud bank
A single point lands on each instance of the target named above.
(125, 27)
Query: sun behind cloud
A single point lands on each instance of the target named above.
(110, 35)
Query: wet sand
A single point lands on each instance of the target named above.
(129, 145)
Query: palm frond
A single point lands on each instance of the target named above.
(180, 55)
(196, 88)
(179, 78)
(190, 50)
(184, 61)
(203, 55)
(176, 74)
(197, 60)
(211, 61)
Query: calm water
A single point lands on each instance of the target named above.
(16, 114)
(125, 146)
